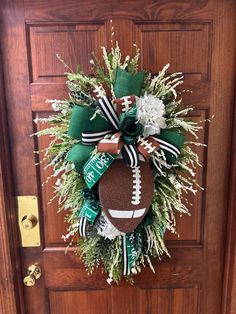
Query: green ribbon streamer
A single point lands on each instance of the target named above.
(79, 154)
(128, 84)
(81, 122)
(133, 247)
(174, 138)
(96, 166)
(89, 210)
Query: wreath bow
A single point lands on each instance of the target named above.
(126, 134)
(119, 132)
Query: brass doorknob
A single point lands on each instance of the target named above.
(29, 222)
(33, 273)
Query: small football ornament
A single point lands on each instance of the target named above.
(126, 194)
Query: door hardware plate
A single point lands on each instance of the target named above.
(28, 206)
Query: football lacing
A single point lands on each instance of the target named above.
(126, 103)
(136, 193)
(147, 145)
(99, 91)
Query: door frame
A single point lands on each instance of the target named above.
(12, 297)
(229, 280)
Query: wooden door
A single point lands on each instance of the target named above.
(195, 37)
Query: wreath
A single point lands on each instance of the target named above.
(122, 160)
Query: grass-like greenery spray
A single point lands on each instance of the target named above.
(172, 182)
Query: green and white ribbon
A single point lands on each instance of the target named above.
(89, 210)
(131, 250)
(96, 166)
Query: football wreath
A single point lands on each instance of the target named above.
(123, 162)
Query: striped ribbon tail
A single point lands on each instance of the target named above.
(166, 146)
(130, 155)
(92, 138)
(109, 111)
(83, 222)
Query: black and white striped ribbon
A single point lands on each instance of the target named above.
(168, 147)
(129, 152)
(130, 155)
(109, 111)
(92, 138)
(126, 270)
(82, 226)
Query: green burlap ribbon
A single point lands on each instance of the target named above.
(81, 122)
(174, 138)
(79, 154)
(127, 84)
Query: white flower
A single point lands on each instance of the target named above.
(150, 113)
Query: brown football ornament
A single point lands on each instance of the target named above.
(126, 194)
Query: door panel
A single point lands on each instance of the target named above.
(189, 36)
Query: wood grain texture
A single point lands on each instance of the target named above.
(127, 300)
(134, 10)
(16, 78)
(223, 66)
(11, 296)
(229, 297)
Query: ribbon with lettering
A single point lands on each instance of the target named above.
(131, 248)
(89, 211)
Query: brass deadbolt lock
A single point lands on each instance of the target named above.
(33, 273)
(29, 222)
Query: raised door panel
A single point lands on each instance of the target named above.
(72, 43)
(176, 43)
(124, 300)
